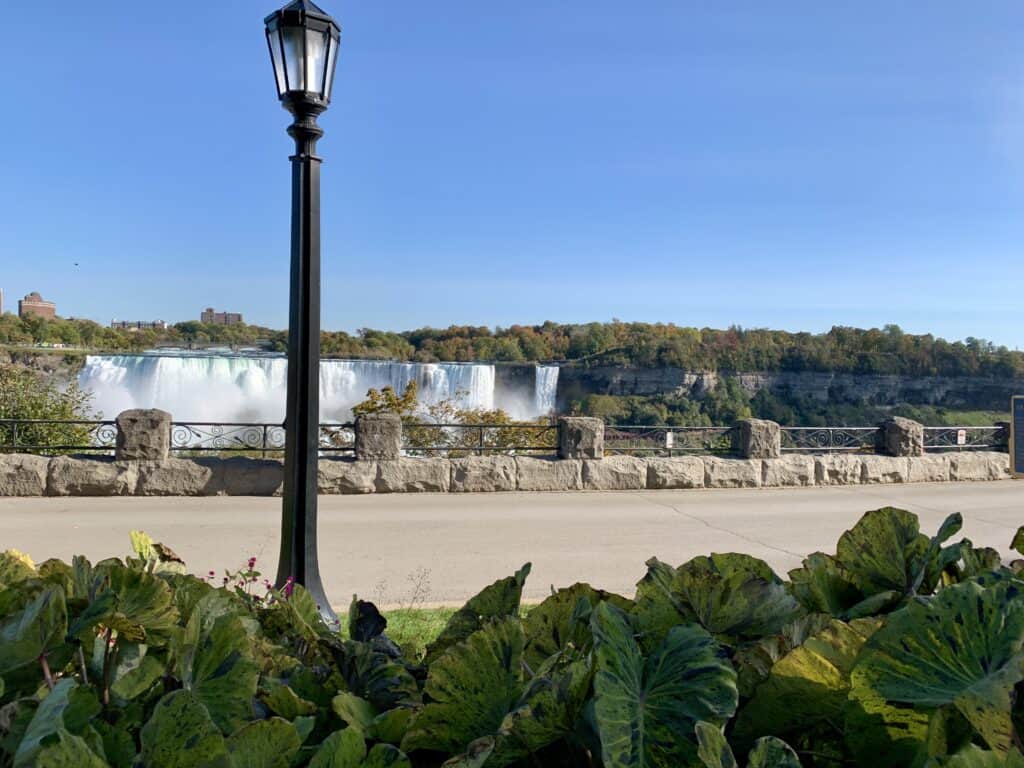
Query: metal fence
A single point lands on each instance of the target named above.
(828, 439)
(54, 436)
(479, 439)
(965, 438)
(60, 436)
(666, 441)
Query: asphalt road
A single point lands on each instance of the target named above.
(380, 546)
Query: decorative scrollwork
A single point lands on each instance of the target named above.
(828, 439)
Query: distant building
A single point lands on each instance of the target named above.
(34, 304)
(220, 318)
(138, 325)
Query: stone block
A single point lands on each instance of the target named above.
(483, 474)
(898, 436)
(580, 437)
(23, 475)
(998, 465)
(243, 476)
(378, 437)
(536, 474)
(143, 434)
(675, 472)
(346, 476)
(413, 476)
(93, 476)
(731, 473)
(971, 465)
(180, 477)
(615, 473)
(877, 470)
(933, 468)
(757, 439)
(786, 471)
(838, 469)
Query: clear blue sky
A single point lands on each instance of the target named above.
(790, 165)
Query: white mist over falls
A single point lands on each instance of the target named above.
(251, 388)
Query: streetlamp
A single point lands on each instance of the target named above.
(303, 42)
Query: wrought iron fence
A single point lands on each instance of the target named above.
(266, 439)
(828, 439)
(479, 439)
(666, 441)
(56, 435)
(965, 438)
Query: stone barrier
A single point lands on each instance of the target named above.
(143, 466)
(27, 475)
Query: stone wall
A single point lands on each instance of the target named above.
(143, 465)
(24, 475)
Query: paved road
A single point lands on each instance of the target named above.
(376, 545)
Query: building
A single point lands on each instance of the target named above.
(35, 305)
(138, 325)
(220, 318)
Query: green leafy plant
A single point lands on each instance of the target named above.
(901, 649)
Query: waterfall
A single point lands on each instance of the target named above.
(251, 388)
(545, 389)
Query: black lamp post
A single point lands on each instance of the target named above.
(303, 43)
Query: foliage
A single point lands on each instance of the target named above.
(26, 394)
(492, 430)
(901, 648)
(647, 345)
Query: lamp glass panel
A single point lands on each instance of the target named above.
(332, 58)
(274, 40)
(294, 56)
(316, 59)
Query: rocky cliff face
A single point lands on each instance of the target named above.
(952, 392)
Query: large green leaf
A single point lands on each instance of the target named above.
(181, 734)
(808, 684)
(497, 601)
(563, 620)
(964, 648)
(884, 551)
(218, 666)
(137, 605)
(733, 596)
(264, 744)
(470, 690)
(36, 628)
(65, 750)
(342, 749)
(47, 720)
(373, 675)
(646, 709)
(15, 567)
(548, 711)
(712, 748)
(770, 752)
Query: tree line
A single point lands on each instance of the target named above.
(888, 350)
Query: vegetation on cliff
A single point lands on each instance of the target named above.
(900, 649)
(852, 350)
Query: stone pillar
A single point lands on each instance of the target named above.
(898, 436)
(143, 435)
(580, 437)
(378, 437)
(757, 439)
(1002, 436)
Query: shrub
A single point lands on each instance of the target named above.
(26, 394)
(901, 649)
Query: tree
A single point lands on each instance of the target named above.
(27, 395)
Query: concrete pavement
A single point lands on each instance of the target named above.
(379, 545)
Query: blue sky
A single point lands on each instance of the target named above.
(789, 165)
